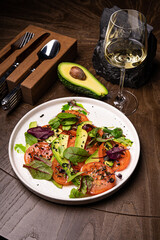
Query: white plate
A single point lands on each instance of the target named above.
(101, 114)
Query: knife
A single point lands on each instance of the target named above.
(20, 59)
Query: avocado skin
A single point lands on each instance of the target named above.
(80, 89)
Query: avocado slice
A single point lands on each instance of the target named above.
(61, 141)
(81, 135)
(52, 138)
(93, 158)
(84, 82)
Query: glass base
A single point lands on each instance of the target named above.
(127, 104)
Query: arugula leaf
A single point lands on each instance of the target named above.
(124, 141)
(39, 170)
(75, 154)
(30, 139)
(20, 148)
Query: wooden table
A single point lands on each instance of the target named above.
(134, 211)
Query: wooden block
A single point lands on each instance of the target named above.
(37, 83)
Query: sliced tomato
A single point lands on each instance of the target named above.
(119, 164)
(92, 149)
(103, 177)
(59, 174)
(71, 141)
(123, 162)
(41, 149)
(102, 152)
(77, 167)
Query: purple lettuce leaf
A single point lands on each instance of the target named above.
(115, 152)
(41, 132)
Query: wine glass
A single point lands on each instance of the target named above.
(125, 47)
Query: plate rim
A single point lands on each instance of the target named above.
(73, 201)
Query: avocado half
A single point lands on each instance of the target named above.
(90, 86)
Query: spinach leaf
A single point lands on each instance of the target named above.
(39, 170)
(30, 139)
(75, 154)
(69, 121)
(65, 115)
(116, 132)
(66, 119)
(66, 128)
(20, 148)
(54, 123)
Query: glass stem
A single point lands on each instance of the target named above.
(121, 83)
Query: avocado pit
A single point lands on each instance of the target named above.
(77, 73)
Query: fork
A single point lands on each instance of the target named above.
(18, 44)
(21, 42)
(12, 99)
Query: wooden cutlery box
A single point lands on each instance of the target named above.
(39, 81)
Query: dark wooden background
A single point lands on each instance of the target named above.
(134, 211)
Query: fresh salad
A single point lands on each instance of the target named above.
(71, 150)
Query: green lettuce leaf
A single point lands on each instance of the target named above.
(30, 139)
(20, 148)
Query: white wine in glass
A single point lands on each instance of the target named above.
(125, 47)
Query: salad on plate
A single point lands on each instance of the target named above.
(71, 150)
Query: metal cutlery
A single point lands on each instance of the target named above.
(49, 51)
(19, 59)
(18, 44)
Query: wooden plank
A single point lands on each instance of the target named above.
(25, 216)
(131, 213)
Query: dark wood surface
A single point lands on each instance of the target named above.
(134, 211)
